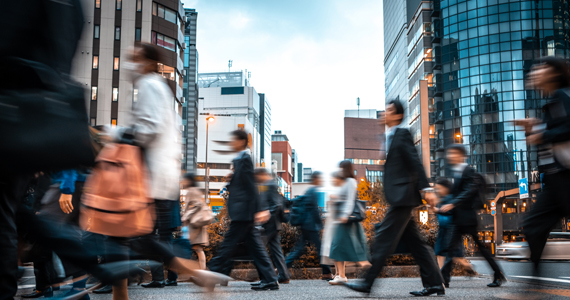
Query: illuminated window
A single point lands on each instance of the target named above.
(95, 62)
(115, 94)
(113, 122)
(139, 5)
(119, 4)
(163, 41)
(116, 64)
(97, 3)
(167, 72)
(93, 93)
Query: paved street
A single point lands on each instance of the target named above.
(390, 288)
(552, 273)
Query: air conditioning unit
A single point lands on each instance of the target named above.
(182, 100)
(183, 45)
(183, 72)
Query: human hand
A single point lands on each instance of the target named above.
(446, 208)
(343, 220)
(527, 123)
(262, 217)
(534, 139)
(65, 203)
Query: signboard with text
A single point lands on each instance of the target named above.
(523, 188)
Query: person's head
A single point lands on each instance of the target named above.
(144, 59)
(188, 180)
(549, 74)
(239, 140)
(338, 178)
(262, 175)
(443, 187)
(456, 154)
(394, 113)
(347, 169)
(317, 178)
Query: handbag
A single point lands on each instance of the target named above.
(43, 120)
(359, 212)
(198, 216)
(115, 199)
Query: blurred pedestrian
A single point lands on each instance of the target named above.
(268, 192)
(445, 227)
(198, 235)
(463, 205)
(349, 241)
(311, 226)
(551, 134)
(404, 179)
(246, 211)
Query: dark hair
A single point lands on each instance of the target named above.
(316, 175)
(457, 147)
(560, 66)
(150, 51)
(347, 169)
(240, 135)
(190, 176)
(260, 171)
(445, 183)
(398, 106)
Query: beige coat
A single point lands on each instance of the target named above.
(197, 236)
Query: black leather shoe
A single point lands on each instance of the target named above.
(498, 281)
(362, 287)
(256, 283)
(446, 285)
(170, 283)
(153, 284)
(104, 290)
(37, 294)
(439, 290)
(266, 286)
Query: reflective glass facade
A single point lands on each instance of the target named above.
(483, 49)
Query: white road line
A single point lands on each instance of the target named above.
(27, 286)
(564, 277)
(544, 278)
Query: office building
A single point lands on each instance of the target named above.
(190, 93)
(307, 173)
(282, 162)
(112, 29)
(363, 144)
(234, 106)
(265, 131)
(467, 61)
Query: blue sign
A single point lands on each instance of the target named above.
(523, 188)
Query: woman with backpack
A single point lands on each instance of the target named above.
(348, 239)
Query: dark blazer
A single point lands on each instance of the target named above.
(269, 194)
(313, 219)
(404, 174)
(464, 194)
(244, 201)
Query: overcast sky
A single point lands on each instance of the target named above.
(312, 59)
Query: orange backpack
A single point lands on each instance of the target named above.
(115, 200)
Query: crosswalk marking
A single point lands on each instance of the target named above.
(543, 278)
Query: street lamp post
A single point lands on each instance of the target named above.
(207, 169)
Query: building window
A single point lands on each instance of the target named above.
(96, 29)
(119, 4)
(117, 33)
(97, 3)
(238, 90)
(113, 122)
(116, 63)
(115, 94)
(93, 93)
(164, 13)
(139, 5)
(167, 72)
(137, 34)
(163, 41)
(135, 94)
(95, 62)
(93, 122)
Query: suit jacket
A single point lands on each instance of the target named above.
(244, 201)
(464, 194)
(270, 195)
(404, 174)
(313, 219)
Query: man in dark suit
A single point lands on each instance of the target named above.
(465, 193)
(246, 211)
(311, 227)
(404, 178)
(269, 193)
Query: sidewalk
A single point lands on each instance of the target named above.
(388, 288)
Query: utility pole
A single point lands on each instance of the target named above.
(358, 104)
(230, 62)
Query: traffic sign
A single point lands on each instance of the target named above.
(523, 188)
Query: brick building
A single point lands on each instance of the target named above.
(362, 143)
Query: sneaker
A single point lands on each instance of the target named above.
(338, 280)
